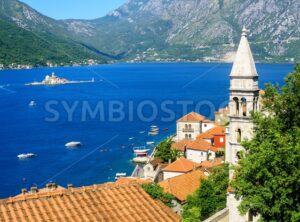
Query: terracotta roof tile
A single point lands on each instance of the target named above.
(208, 164)
(192, 117)
(108, 202)
(129, 180)
(183, 185)
(199, 144)
(180, 145)
(181, 165)
(218, 130)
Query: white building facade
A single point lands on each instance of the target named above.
(244, 96)
(192, 125)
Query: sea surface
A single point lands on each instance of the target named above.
(130, 97)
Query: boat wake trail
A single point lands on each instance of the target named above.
(5, 91)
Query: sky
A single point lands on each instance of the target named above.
(76, 9)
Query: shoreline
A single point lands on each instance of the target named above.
(144, 62)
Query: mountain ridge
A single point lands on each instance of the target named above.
(177, 30)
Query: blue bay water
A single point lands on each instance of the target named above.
(26, 129)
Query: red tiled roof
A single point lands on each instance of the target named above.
(222, 110)
(101, 203)
(192, 117)
(181, 165)
(199, 144)
(130, 180)
(208, 164)
(183, 185)
(180, 145)
(218, 130)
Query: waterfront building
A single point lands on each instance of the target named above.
(191, 125)
(179, 167)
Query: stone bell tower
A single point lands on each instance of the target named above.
(244, 94)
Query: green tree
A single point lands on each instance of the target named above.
(268, 175)
(157, 192)
(164, 151)
(209, 198)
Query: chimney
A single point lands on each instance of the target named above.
(170, 161)
(69, 186)
(34, 190)
(24, 191)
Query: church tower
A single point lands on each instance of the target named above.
(244, 94)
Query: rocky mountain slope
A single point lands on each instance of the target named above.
(150, 30)
(28, 37)
(195, 28)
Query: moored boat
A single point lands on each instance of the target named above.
(26, 155)
(73, 144)
(32, 103)
(150, 143)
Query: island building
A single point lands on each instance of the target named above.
(99, 203)
(244, 98)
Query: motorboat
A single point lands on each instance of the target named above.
(26, 155)
(118, 175)
(150, 143)
(32, 103)
(73, 144)
(141, 160)
(153, 133)
(131, 138)
(140, 150)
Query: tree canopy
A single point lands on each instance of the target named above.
(164, 151)
(209, 198)
(267, 178)
(157, 192)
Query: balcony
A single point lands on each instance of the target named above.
(188, 130)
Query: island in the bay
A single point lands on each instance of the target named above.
(55, 80)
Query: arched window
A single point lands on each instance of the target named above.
(186, 136)
(186, 126)
(238, 135)
(239, 155)
(190, 136)
(236, 105)
(244, 106)
(190, 126)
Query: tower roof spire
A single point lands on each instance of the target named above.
(244, 65)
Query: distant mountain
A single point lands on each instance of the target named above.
(158, 30)
(191, 29)
(28, 37)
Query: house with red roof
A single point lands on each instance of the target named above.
(192, 125)
(179, 167)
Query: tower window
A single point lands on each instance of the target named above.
(244, 106)
(236, 105)
(238, 135)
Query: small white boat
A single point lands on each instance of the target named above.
(131, 138)
(73, 144)
(121, 174)
(118, 175)
(26, 155)
(140, 159)
(32, 103)
(140, 150)
(153, 133)
(150, 143)
(154, 126)
(142, 132)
